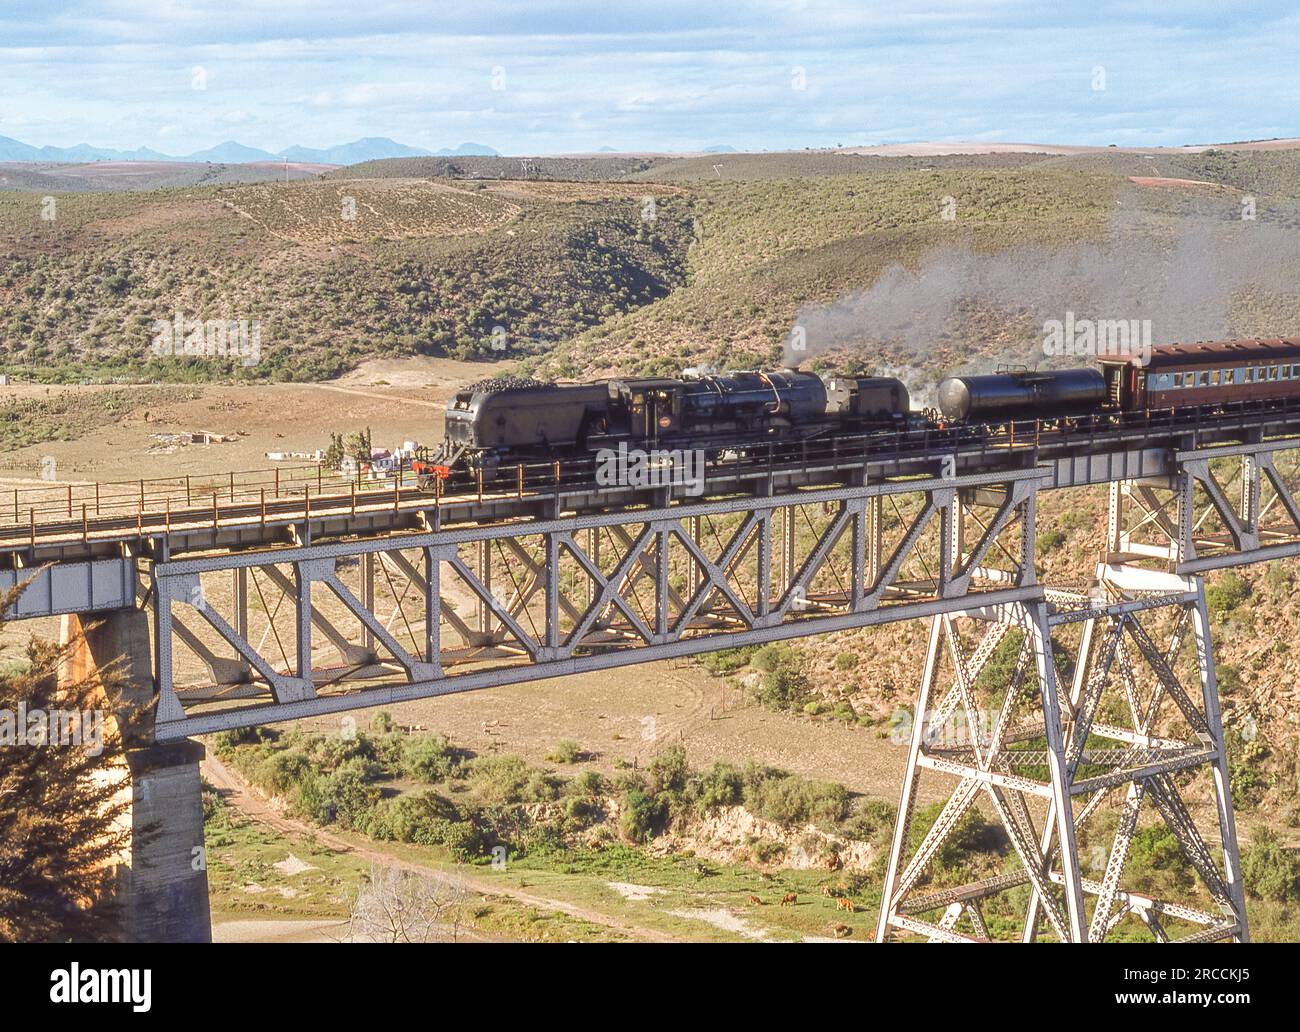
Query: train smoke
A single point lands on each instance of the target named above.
(1204, 279)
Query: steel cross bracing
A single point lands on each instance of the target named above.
(1225, 505)
(267, 636)
(1138, 723)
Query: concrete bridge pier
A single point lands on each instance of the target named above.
(162, 879)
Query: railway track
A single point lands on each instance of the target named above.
(890, 453)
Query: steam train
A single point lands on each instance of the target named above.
(500, 422)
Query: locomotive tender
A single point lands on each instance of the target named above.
(504, 422)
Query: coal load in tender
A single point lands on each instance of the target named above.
(505, 383)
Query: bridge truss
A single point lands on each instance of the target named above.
(276, 610)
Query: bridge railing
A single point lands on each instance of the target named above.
(60, 508)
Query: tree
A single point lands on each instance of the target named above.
(61, 819)
(395, 905)
(357, 445)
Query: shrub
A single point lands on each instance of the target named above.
(418, 817)
(846, 661)
(1050, 541)
(721, 785)
(1268, 869)
(789, 799)
(1228, 592)
(566, 751)
(783, 689)
(668, 771)
(773, 657)
(642, 815)
(726, 661)
(872, 821)
(1228, 678)
(508, 779)
(588, 783)
(225, 742)
(350, 793)
(431, 758)
(1154, 851)
(280, 772)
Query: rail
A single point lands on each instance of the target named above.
(150, 505)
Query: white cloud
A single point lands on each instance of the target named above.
(655, 75)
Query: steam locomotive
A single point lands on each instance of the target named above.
(499, 422)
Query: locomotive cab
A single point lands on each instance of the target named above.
(650, 408)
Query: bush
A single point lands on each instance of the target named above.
(668, 772)
(773, 657)
(783, 689)
(721, 785)
(1268, 869)
(873, 821)
(501, 780)
(1228, 678)
(789, 799)
(1050, 541)
(1155, 856)
(566, 751)
(225, 742)
(588, 783)
(431, 758)
(1228, 592)
(846, 661)
(280, 772)
(418, 817)
(726, 661)
(350, 793)
(642, 815)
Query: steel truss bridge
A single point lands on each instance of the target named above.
(329, 596)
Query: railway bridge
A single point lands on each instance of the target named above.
(247, 599)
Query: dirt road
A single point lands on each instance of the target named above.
(240, 796)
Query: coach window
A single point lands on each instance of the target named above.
(1203, 379)
(1272, 372)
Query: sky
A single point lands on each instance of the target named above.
(562, 77)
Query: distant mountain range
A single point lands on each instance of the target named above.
(233, 153)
